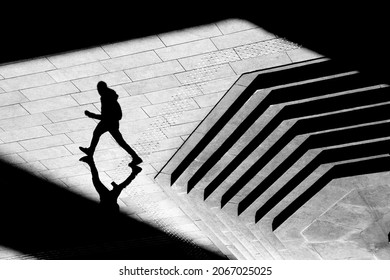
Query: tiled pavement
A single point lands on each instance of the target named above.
(167, 83)
(221, 165)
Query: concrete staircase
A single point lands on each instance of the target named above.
(270, 146)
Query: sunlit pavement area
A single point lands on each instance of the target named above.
(167, 83)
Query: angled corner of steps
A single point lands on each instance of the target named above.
(271, 144)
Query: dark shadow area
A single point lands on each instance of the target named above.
(44, 220)
(279, 96)
(324, 157)
(350, 33)
(338, 171)
(46, 30)
(263, 80)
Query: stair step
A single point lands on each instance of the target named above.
(324, 157)
(274, 97)
(374, 164)
(249, 142)
(264, 189)
(311, 125)
(302, 71)
(320, 140)
(223, 134)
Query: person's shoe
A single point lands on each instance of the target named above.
(136, 169)
(115, 185)
(87, 159)
(86, 151)
(136, 161)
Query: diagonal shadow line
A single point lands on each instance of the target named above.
(326, 156)
(279, 96)
(338, 171)
(308, 108)
(311, 125)
(263, 80)
(314, 141)
(38, 216)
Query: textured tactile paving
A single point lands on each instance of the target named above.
(265, 47)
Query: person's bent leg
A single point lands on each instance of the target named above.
(121, 142)
(99, 130)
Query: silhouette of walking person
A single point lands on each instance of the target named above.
(108, 198)
(110, 116)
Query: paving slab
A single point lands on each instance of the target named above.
(302, 54)
(49, 104)
(209, 100)
(180, 129)
(111, 79)
(74, 58)
(131, 61)
(10, 148)
(209, 59)
(65, 172)
(234, 25)
(69, 113)
(260, 62)
(150, 85)
(189, 34)
(23, 121)
(154, 70)
(49, 91)
(10, 98)
(92, 96)
(23, 134)
(26, 67)
(27, 81)
(52, 152)
(205, 74)
(35, 166)
(174, 94)
(171, 107)
(186, 49)
(217, 85)
(45, 142)
(133, 46)
(13, 159)
(242, 38)
(77, 72)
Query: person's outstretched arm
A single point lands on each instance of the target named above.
(93, 115)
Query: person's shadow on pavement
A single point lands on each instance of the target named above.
(108, 198)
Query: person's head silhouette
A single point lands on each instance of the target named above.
(105, 91)
(102, 87)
